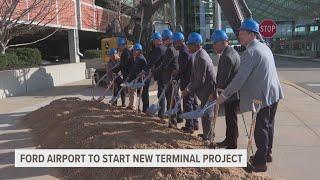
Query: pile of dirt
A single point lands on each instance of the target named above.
(74, 123)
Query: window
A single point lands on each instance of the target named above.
(229, 30)
(300, 29)
(314, 28)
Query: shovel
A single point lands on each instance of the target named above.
(199, 112)
(176, 108)
(123, 85)
(137, 85)
(94, 85)
(154, 108)
(256, 106)
(107, 89)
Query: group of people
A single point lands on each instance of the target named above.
(239, 80)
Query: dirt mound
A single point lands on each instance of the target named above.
(74, 123)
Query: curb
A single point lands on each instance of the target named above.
(298, 58)
(307, 92)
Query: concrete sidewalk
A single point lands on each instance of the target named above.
(296, 144)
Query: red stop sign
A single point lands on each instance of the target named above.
(268, 28)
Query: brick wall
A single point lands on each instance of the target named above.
(63, 13)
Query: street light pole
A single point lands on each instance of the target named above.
(174, 16)
(217, 10)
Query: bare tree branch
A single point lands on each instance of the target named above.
(17, 18)
(25, 44)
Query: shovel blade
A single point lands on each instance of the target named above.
(192, 115)
(126, 84)
(137, 85)
(153, 109)
(171, 112)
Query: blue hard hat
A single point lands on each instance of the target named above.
(177, 36)
(167, 34)
(112, 51)
(219, 35)
(137, 47)
(250, 25)
(194, 38)
(121, 41)
(156, 36)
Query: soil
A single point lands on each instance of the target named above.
(75, 123)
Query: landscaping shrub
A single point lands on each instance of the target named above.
(92, 53)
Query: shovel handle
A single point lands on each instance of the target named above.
(253, 123)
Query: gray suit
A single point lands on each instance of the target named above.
(202, 84)
(202, 81)
(257, 78)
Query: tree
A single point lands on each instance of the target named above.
(22, 17)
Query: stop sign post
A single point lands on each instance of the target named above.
(268, 28)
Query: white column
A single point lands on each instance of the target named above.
(174, 14)
(217, 10)
(73, 40)
(202, 19)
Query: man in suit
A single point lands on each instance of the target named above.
(184, 74)
(139, 65)
(153, 61)
(126, 62)
(257, 79)
(229, 63)
(166, 70)
(202, 82)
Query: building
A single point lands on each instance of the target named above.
(83, 24)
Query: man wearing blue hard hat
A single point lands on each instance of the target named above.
(126, 59)
(202, 82)
(184, 74)
(258, 81)
(228, 66)
(112, 63)
(167, 69)
(139, 65)
(153, 60)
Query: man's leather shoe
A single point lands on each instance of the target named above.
(256, 167)
(212, 145)
(179, 120)
(269, 158)
(252, 166)
(196, 127)
(200, 136)
(222, 144)
(187, 130)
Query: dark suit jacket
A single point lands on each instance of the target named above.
(126, 63)
(229, 64)
(154, 59)
(139, 64)
(185, 67)
(169, 62)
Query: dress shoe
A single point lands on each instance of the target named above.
(187, 130)
(256, 168)
(200, 136)
(212, 145)
(196, 127)
(222, 144)
(179, 120)
(269, 158)
(252, 166)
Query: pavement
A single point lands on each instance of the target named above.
(302, 71)
(296, 145)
